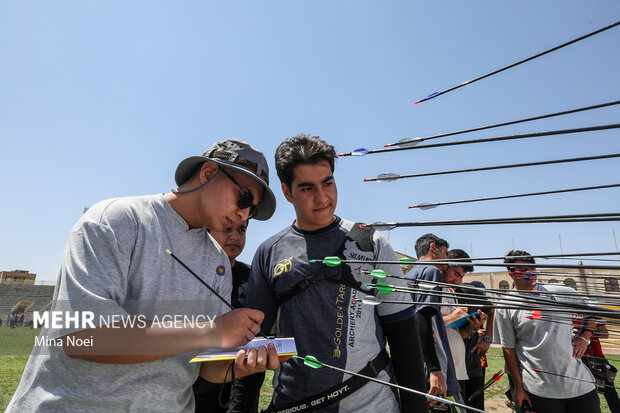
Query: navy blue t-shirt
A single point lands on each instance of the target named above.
(431, 273)
(322, 319)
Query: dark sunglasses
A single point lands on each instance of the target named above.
(246, 199)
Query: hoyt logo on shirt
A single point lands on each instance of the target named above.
(283, 266)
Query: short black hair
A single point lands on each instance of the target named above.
(423, 244)
(302, 149)
(518, 255)
(461, 256)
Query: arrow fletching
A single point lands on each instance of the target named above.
(425, 205)
(359, 152)
(387, 177)
(378, 274)
(371, 300)
(409, 142)
(332, 261)
(311, 361)
(385, 288)
(383, 226)
(497, 376)
(429, 97)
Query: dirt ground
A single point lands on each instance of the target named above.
(496, 404)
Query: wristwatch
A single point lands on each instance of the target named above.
(487, 339)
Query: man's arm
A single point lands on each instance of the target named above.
(518, 394)
(405, 350)
(137, 345)
(582, 340)
(457, 314)
(425, 329)
(482, 346)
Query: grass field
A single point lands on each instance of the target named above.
(15, 345)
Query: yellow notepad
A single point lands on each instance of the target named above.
(285, 346)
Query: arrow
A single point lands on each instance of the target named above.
(389, 176)
(496, 377)
(383, 288)
(381, 226)
(457, 263)
(427, 205)
(410, 142)
(369, 300)
(379, 274)
(206, 285)
(504, 138)
(315, 364)
(531, 303)
(434, 95)
(329, 261)
(610, 314)
(572, 378)
(359, 152)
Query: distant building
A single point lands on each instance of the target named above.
(17, 277)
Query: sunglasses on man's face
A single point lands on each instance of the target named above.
(246, 199)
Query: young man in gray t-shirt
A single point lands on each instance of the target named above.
(150, 316)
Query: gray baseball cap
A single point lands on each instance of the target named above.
(240, 156)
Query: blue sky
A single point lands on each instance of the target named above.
(101, 99)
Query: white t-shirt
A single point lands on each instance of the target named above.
(457, 345)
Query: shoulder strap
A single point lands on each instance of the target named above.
(337, 392)
(363, 238)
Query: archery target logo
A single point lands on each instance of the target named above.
(220, 270)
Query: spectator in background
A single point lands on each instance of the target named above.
(438, 359)
(477, 345)
(461, 339)
(542, 356)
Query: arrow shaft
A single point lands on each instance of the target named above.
(497, 125)
(488, 384)
(396, 386)
(558, 191)
(484, 264)
(518, 165)
(177, 259)
(504, 292)
(434, 95)
(506, 307)
(494, 221)
(521, 302)
(507, 138)
(571, 378)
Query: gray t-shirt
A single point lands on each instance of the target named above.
(115, 264)
(323, 319)
(543, 341)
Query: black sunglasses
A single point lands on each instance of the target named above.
(246, 199)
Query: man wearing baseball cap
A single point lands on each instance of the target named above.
(133, 316)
